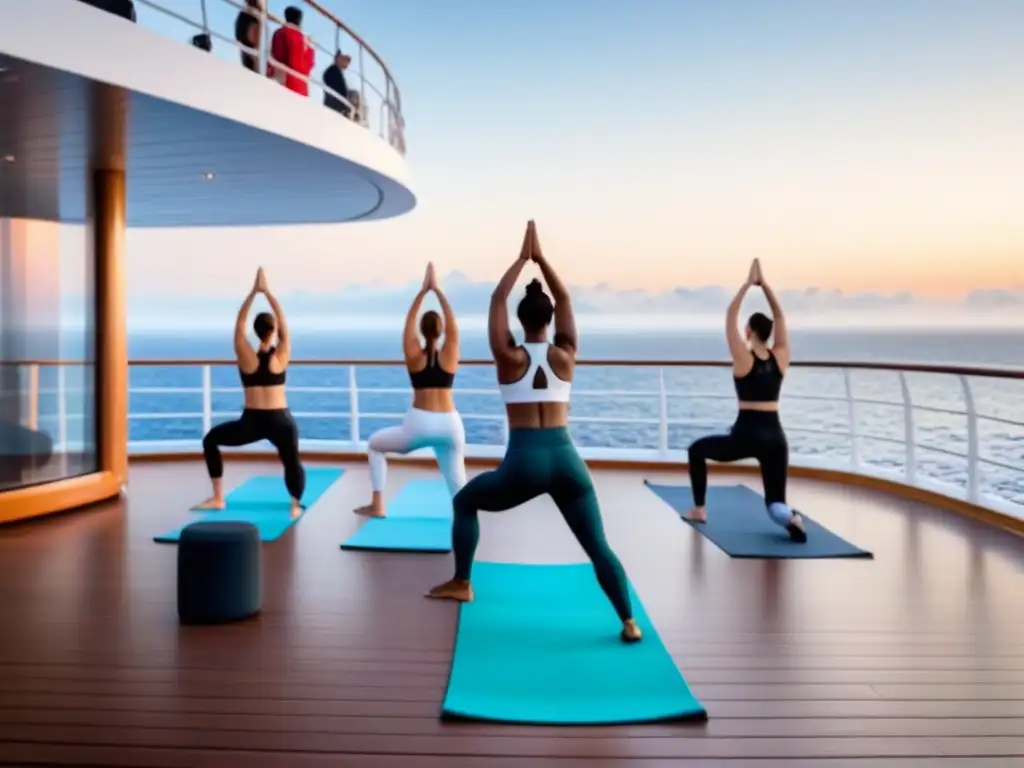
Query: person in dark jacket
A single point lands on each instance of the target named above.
(247, 32)
(334, 78)
(123, 8)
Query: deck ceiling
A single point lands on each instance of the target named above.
(50, 126)
(911, 660)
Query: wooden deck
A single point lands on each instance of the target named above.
(915, 658)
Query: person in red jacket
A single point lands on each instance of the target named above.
(289, 47)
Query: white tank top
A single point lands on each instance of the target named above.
(523, 390)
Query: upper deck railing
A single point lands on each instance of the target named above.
(956, 430)
(378, 106)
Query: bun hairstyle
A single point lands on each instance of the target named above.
(536, 309)
(761, 326)
(264, 325)
(431, 326)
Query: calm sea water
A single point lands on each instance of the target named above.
(166, 402)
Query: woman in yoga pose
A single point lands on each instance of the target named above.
(266, 415)
(535, 380)
(758, 370)
(432, 422)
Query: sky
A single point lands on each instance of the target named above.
(870, 146)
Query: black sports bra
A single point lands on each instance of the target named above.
(763, 383)
(433, 376)
(263, 376)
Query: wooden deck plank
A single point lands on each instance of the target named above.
(915, 658)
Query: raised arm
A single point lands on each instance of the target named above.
(498, 332)
(410, 334)
(781, 332)
(243, 352)
(283, 353)
(738, 349)
(566, 336)
(450, 349)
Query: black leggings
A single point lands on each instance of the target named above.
(541, 461)
(277, 426)
(755, 435)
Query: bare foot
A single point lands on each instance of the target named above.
(795, 528)
(697, 515)
(297, 509)
(369, 510)
(456, 589)
(631, 632)
(214, 502)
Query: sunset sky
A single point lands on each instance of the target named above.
(871, 145)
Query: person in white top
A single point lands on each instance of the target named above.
(432, 422)
(535, 379)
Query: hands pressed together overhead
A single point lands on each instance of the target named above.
(531, 250)
(260, 286)
(755, 277)
(430, 278)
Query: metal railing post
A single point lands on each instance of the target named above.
(353, 400)
(62, 409)
(662, 415)
(910, 455)
(851, 406)
(973, 480)
(264, 43)
(206, 20)
(363, 107)
(207, 399)
(32, 419)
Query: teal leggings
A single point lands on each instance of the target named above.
(540, 461)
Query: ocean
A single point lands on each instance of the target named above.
(166, 402)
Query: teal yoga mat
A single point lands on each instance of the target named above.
(419, 519)
(739, 525)
(264, 502)
(539, 645)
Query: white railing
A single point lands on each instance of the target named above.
(920, 425)
(379, 106)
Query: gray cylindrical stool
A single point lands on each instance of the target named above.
(220, 572)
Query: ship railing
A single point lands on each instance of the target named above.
(954, 430)
(380, 101)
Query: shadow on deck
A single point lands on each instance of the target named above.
(915, 658)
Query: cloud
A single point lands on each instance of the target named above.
(995, 298)
(473, 298)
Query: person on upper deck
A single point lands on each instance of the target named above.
(432, 422)
(535, 379)
(123, 8)
(247, 32)
(266, 416)
(290, 47)
(758, 370)
(334, 78)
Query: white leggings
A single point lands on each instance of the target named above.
(422, 429)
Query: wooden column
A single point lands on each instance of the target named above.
(108, 240)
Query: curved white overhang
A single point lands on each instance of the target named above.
(275, 157)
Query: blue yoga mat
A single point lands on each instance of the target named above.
(540, 645)
(419, 519)
(739, 525)
(264, 502)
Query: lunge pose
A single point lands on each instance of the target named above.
(758, 370)
(266, 415)
(432, 422)
(535, 380)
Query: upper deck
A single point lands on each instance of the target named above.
(203, 140)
